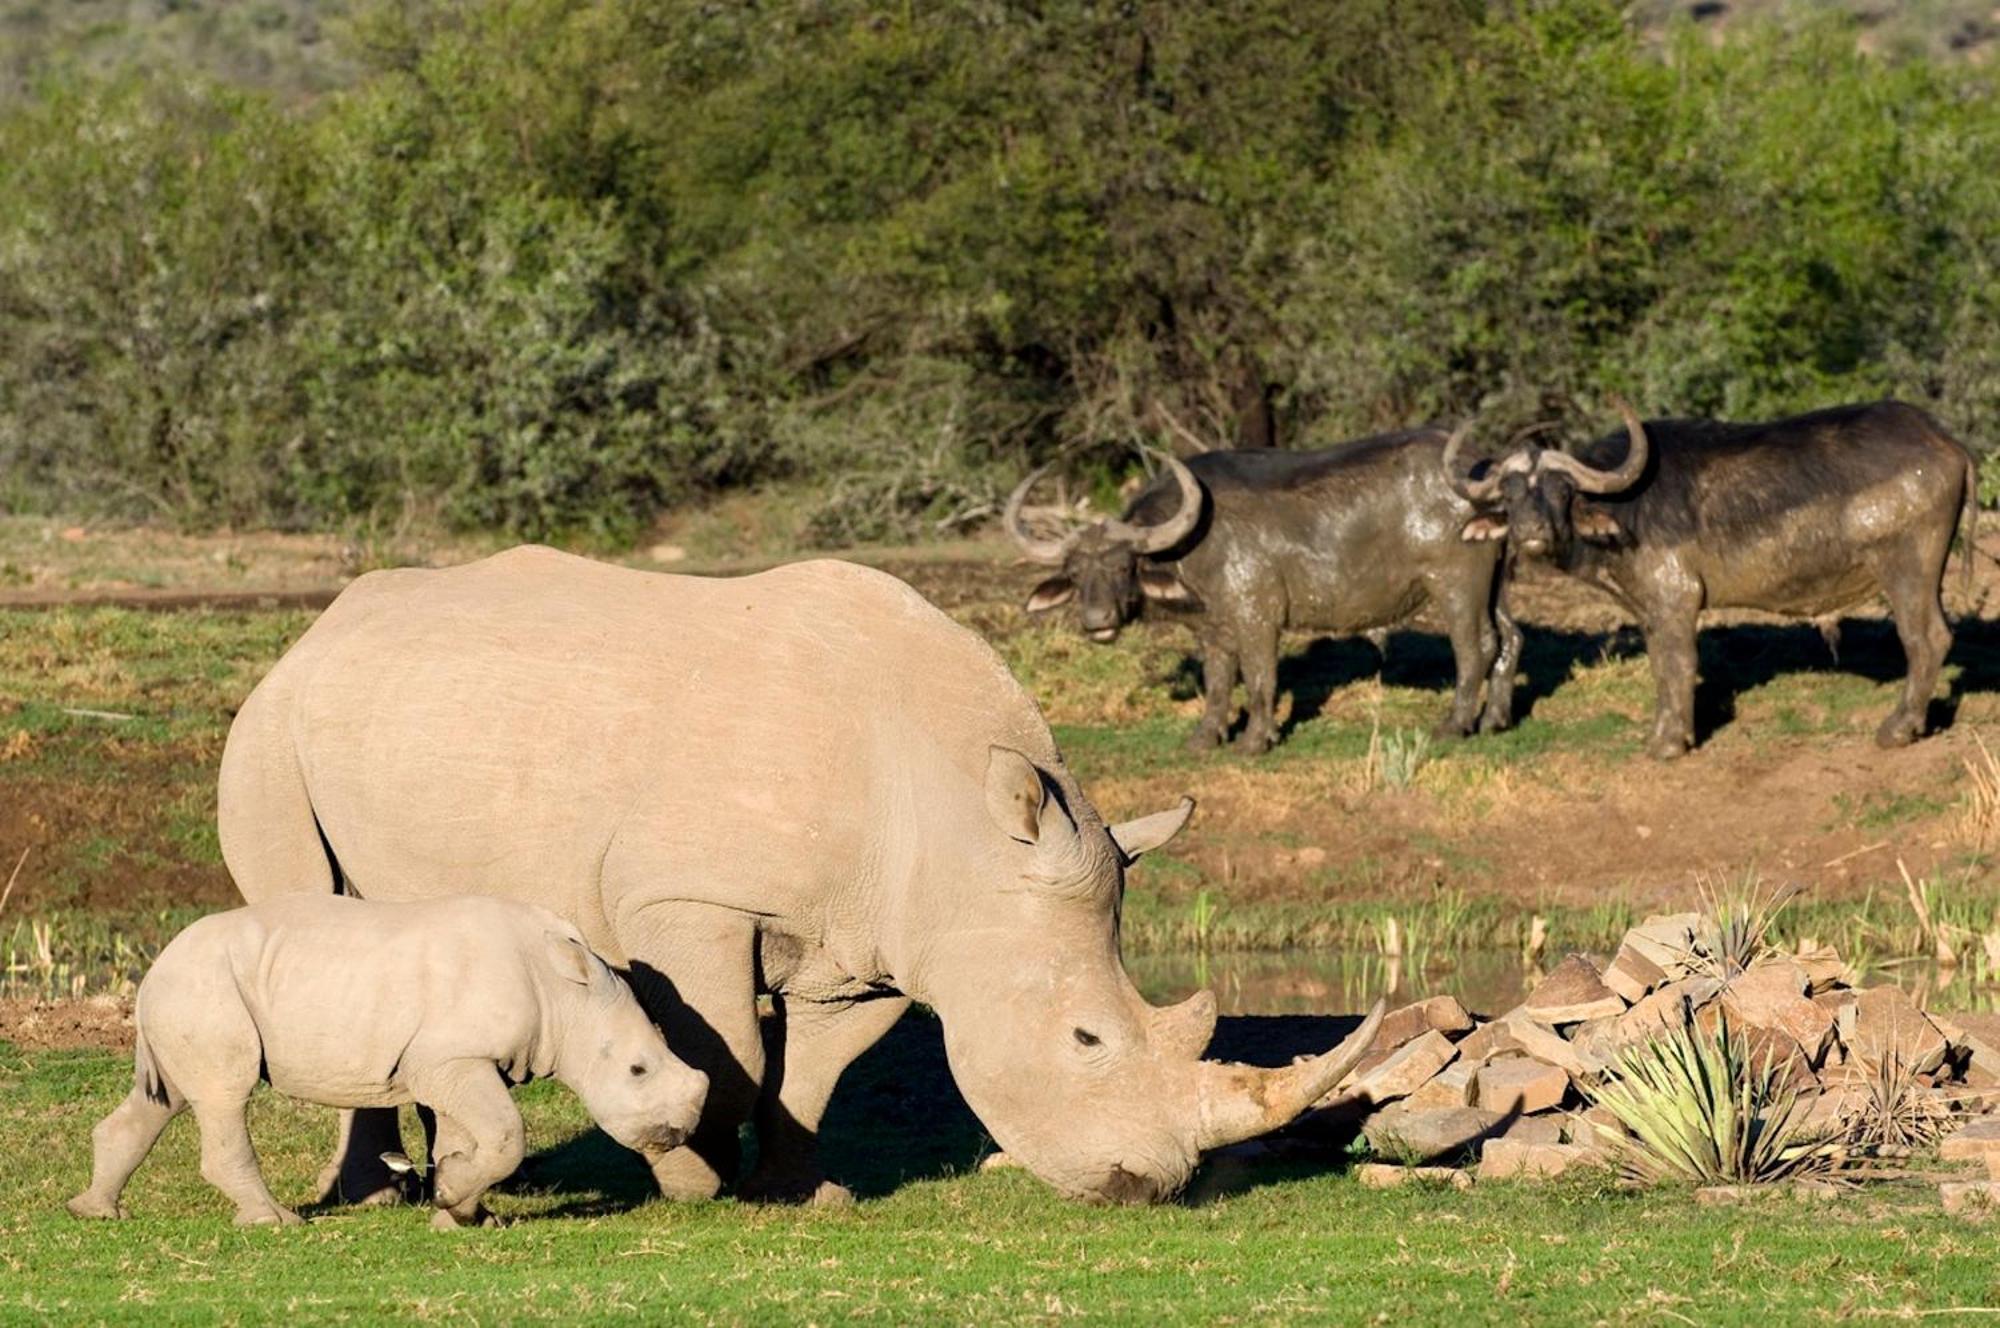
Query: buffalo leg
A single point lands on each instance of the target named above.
(819, 1041)
(480, 1138)
(1912, 582)
(1218, 688)
(357, 1174)
(1499, 712)
(693, 969)
(1670, 650)
(1260, 691)
(1474, 647)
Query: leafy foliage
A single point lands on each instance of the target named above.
(549, 266)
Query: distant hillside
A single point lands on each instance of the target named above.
(281, 46)
(1943, 29)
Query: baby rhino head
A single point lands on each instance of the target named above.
(614, 1058)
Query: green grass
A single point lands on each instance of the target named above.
(1259, 1243)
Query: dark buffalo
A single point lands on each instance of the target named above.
(1804, 516)
(1351, 539)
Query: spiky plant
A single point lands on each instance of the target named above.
(1696, 1108)
(1736, 922)
(1898, 1115)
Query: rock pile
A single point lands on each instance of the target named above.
(1439, 1086)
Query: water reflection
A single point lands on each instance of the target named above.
(1487, 982)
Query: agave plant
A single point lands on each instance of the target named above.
(1736, 922)
(1696, 1108)
(1898, 1115)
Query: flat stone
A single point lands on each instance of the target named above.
(1828, 1112)
(1715, 1195)
(1888, 1026)
(1772, 1005)
(1487, 1041)
(1962, 1198)
(1521, 1085)
(1441, 1013)
(1825, 970)
(1596, 1042)
(1570, 994)
(1429, 1136)
(1632, 975)
(1977, 1140)
(1667, 941)
(1453, 1086)
(1513, 1159)
(1596, 1126)
(1818, 1190)
(1550, 1047)
(1534, 1130)
(1382, 1176)
(1977, 1036)
(1662, 1011)
(1405, 1069)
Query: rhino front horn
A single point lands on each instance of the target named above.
(1239, 1102)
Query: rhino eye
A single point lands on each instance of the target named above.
(638, 1072)
(1084, 1039)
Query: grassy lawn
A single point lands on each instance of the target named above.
(1257, 1244)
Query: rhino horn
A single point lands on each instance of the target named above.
(1182, 1031)
(1239, 1102)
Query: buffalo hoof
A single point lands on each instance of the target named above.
(1203, 739)
(268, 1217)
(1252, 743)
(1495, 723)
(1450, 729)
(812, 1190)
(1896, 731)
(1668, 748)
(91, 1206)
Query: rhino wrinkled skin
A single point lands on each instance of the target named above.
(809, 783)
(358, 1004)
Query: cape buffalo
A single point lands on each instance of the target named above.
(807, 783)
(1804, 516)
(1354, 538)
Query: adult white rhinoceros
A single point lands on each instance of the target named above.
(807, 782)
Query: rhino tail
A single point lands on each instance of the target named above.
(146, 1076)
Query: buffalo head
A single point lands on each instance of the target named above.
(1102, 567)
(1539, 497)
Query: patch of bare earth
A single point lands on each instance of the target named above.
(95, 1021)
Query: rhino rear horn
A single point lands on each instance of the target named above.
(1238, 1102)
(1183, 1031)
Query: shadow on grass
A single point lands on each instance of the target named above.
(1733, 659)
(898, 1118)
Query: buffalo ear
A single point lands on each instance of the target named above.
(1053, 593)
(1594, 523)
(1147, 833)
(1015, 794)
(573, 961)
(1165, 586)
(1482, 528)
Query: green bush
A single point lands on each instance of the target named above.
(551, 266)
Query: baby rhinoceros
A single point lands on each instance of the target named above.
(351, 1003)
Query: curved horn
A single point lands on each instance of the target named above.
(1462, 484)
(1041, 550)
(1160, 538)
(1182, 1031)
(1592, 480)
(1239, 1102)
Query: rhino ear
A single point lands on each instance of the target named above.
(572, 960)
(1150, 832)
(1015, 794)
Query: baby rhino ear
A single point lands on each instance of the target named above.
(573, 961)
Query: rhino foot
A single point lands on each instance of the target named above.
(445, 1220)
(268, 1217)
(93, 1206)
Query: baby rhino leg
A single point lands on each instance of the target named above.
(121, 1140)
(480, 1139)
(229, 1163)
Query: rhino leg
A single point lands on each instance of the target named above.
(356, 1174)
(814, 1044)
(229, 1163)
(694, 971)
(480, 1138)
(120, 1143)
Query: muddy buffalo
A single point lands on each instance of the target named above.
(807, 783)
(1804, 516)
(1247, 545)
